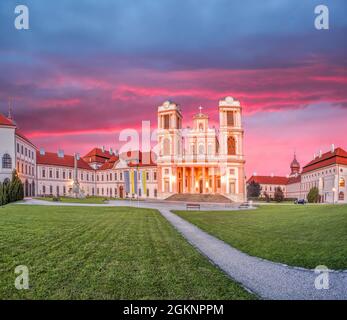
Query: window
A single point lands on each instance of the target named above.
(115, 176)
(201, 149)
(17, 147)
(231, 146)
(155, 193)
(147, 175)
(70, 175)
(201, 127)
(155, 176)
(64, 176)
(230, 118)
(57, 174)
(147, 191)
(44, 189)
(166, 121)
(50, 173)
(342, 183)
(6, 161)
(341, 196)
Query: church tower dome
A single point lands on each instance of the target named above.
(294, 166)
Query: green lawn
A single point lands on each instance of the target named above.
(297, 235)
(104, 253)
(93, 200)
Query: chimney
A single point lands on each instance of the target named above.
(254, 173)
(116, 152)
(320, 153)
(111, 151)
(272, 175)
(61, 153)
(42, 151)
(314, 156)
(332, 148)
(103, 149)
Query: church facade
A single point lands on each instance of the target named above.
(201, 159)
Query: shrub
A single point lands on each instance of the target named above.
(278, 195)
(313, 195)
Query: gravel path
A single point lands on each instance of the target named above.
(269, 280)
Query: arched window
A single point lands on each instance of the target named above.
(201, 149)
(231, 146)
(6, 161)
(166, 147)
(342, 183)
(201, 127)
(341, 196)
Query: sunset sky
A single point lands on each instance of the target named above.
(88, 69)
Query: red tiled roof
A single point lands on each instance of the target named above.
(339, 156)
(21, 135)
(97, 155)
(5, 121)
(110, 163)
(50, 158)
(268, 180)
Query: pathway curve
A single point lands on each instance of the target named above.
(267, 279)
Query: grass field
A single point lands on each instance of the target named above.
(305, 236)
(103, 253)
(92, 200)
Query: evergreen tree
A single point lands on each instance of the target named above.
(253, 189)
(313, 195)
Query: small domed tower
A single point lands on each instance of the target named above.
(294, 166)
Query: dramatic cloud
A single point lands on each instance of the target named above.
(87, 70)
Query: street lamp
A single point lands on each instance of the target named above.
(334, 190)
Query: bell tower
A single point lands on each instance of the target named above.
(170, 147)
(231, 155)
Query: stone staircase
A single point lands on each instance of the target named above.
(198, 197)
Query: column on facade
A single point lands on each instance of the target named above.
(203, 171)
(193, 180)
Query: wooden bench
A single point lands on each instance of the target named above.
(244, 205)
(195, 206)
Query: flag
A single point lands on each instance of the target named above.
(143, 178)
(127, 181)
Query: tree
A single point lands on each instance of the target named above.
(17, 188)
(253, 190)
(278, 196)
(313, 195)
(267, 197)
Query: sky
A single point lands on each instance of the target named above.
(86, 70)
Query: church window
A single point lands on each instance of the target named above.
(6, 161)
(201, 149)
(231, 146)
(230, 118)
(342, 183)
(166, 121)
